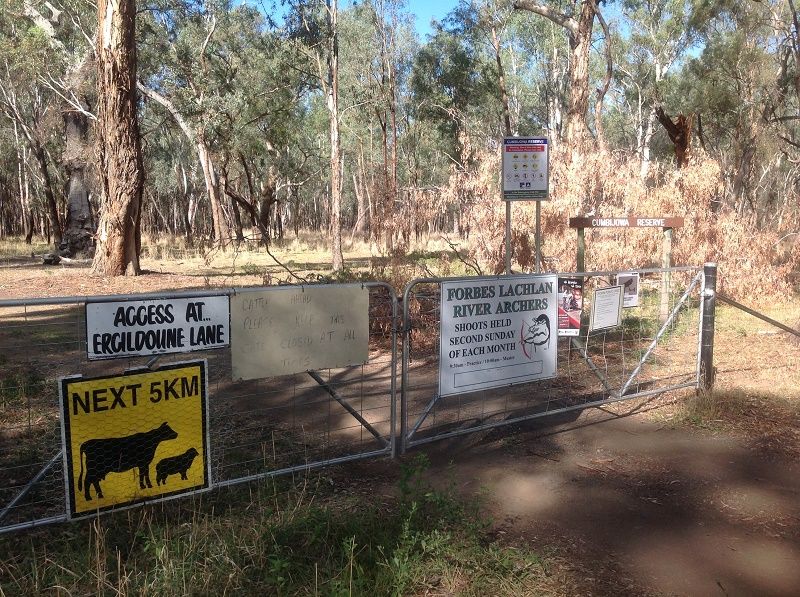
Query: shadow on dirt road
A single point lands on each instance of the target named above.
(630, 506)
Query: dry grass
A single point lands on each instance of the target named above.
(756, 394)
(754, 263)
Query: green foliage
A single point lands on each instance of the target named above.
(269, 541)
(250, 84)
(19, 383)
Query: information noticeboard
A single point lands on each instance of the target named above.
(606, 308)
(630, 288)
(497, 332)
(570, 306)
(288, 330)
(526, 169)
(137, 437)
(156, 326)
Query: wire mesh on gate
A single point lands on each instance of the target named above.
(655, 349)
(257, 428)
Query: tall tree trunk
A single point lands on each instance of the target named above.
(121, 171)
(580, 44)
(361, 209)
(501, 80)
(26, 216)
(237, 217)
(50, 198)
(79, 226)
(646, 137)
(337, 259)
(222, 235)
(580, 39)
(601, 91)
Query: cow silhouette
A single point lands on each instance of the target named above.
(173, 465)
(118, 454)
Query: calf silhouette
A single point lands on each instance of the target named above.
(118, 454)
(174, 465)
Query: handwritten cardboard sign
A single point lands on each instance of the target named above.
(285, 330)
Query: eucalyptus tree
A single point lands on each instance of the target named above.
(174, 187)
(176, 39)
(31, 111)
(659, 34)
(452, 83)
(377, 44)
(743, 85)
(68, 27)
(538, 57)
(577, 18)
(121, 169)
(483, 25)
(193, 54)
(315, 31)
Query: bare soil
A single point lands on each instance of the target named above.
(674, 496)
(629, 505)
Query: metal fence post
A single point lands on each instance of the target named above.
(707, 327)
(406, 356)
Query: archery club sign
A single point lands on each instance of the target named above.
(497, 332)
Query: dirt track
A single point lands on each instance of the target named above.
(631, 506)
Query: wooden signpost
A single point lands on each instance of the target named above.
(667, 224)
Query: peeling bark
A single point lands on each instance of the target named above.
(121, 169)
(579, 32)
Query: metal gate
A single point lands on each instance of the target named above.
(257, 428)
(656, 349)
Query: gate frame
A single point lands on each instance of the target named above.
(405, 438)
(389, 443)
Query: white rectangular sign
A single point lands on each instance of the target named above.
(157, 326)
(526, 169)
(293, 329)
(497, 332)
(606, 308)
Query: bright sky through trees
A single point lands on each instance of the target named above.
(425, 10)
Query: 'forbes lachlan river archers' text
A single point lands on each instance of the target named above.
(517, 305)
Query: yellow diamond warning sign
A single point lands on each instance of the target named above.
(141, 436)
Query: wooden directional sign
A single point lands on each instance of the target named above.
(626, 222)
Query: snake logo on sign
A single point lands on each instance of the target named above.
(132, 438)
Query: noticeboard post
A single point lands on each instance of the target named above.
(525, 177)
(526, 169)
(666, 223)
(137, 437)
